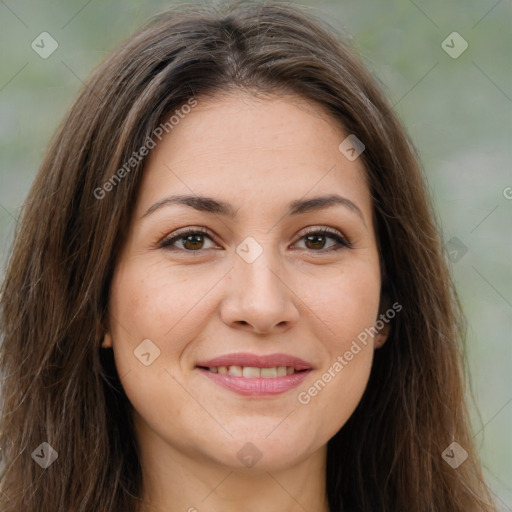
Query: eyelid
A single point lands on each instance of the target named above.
(341, 239)
(182, 232)
(335, 233)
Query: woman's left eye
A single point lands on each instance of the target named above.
(192, 240)
(321, 235)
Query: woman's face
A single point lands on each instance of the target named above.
(264, 299)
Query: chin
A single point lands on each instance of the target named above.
(264, 452)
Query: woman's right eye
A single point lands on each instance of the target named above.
(191, 240)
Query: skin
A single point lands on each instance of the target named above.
(298, 298)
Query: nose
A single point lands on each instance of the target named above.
(259, 296)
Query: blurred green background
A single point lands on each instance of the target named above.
(458, 112)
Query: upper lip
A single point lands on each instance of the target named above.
(257, 361)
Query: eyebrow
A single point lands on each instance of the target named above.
(218, 207)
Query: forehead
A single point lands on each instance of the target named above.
(245, 149)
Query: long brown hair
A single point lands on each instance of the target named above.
(59, 387)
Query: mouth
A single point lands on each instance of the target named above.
(249, 374)
(253, 372)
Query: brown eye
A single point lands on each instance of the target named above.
(316, 240)
(191, 240)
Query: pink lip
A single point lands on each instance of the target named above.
(264, 361)
(257, 386)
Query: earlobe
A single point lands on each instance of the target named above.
(383, 331)
(107, 341)
(381, 336)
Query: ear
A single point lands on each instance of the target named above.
(107, 341)
(382, 335)
(103, 332)
(383, 330)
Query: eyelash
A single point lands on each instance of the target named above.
(342, 242)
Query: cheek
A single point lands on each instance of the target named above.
(339, 384)
(150, 329)
(345, 303)
(150, 301)
(346, 307)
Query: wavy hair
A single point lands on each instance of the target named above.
(59, 387)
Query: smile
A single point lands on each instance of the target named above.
(253, 372)
(256, 375)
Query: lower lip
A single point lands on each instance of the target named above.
(257, 386)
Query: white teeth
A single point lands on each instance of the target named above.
(253, 372)
(235, 371)
(281, 371)
(268, 373)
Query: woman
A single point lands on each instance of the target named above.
(228, 292)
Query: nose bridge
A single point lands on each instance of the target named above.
(257, 295)
(257, 266)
